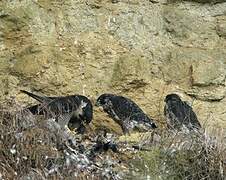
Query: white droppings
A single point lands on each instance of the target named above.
(68, 162)
(53, 170)
(25, 157)
(13, 151)
(18, 135)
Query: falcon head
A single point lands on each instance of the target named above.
(103, 99)
(86, 110)
(172, 98)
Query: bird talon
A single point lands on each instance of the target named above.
(70, 131)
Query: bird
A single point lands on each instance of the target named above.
(125, 112)
(72, 110)
(179, 115)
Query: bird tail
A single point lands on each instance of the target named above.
(38, 98)
(33, 109)
(150, 123)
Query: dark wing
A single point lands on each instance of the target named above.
(62, 105)
(174, 113)
(165, 110)
(36, 109)
(127, 109)
(190, 116)
(177, 110)
(123, 107)
(131, 114)
(54, 106)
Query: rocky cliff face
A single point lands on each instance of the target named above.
(138, 48)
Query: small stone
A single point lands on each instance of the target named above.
(114, 1)
(221, 26)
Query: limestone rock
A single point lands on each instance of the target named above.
(208, 72)
(221, 26)
(131, 72)
(200, 1)
(195, 67)
(190, 29)
(208, 93)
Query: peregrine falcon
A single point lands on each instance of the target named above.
(125, 112)
(179, 115)
(72, 110)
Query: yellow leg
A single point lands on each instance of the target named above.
(70, 131)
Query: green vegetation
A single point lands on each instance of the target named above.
(182, 156)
